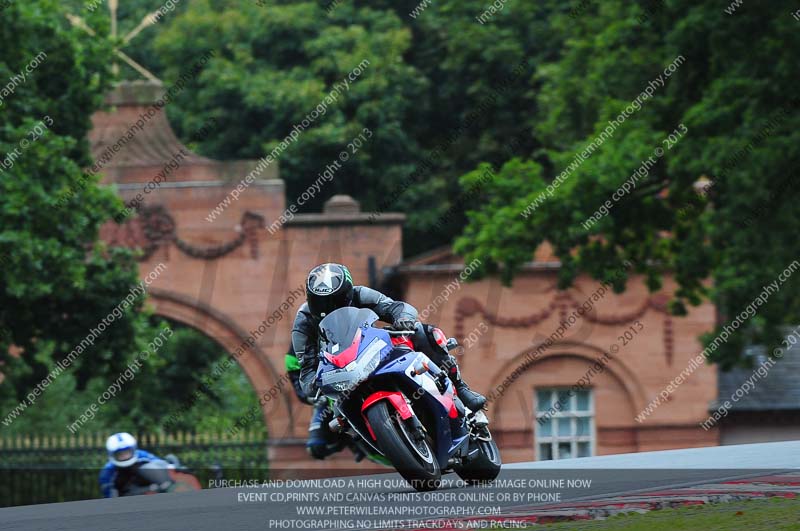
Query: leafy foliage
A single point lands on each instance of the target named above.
(57, 281)
(425, 79)
(278, 63)
(170, 380)
(165, 383)
(433, 93)
(56, 278)
(735, 98)
(444, 95)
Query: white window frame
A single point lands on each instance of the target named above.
(568, 411)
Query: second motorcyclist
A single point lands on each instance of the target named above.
(119, 475)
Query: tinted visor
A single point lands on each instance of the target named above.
(123, 455)
(325, 304)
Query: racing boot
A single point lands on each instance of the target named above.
(474, 401)
(321, 441)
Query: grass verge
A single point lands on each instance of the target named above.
(751, 515)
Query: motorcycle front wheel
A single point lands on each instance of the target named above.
(483, 467)
(411, 456)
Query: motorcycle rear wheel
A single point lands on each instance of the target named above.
(414, 460)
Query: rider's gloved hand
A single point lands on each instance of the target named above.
(404, 323)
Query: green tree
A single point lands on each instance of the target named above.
(56, 281)
(170, 379)
(434, 84)
(147, 395)
(479, 103)
(275, 64)
(733, 95)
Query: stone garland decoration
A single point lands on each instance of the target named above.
(562, 302)
(154, 227)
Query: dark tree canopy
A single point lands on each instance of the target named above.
(56, 280)
(735, 99)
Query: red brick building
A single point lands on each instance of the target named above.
(231, 278)
(618, 356)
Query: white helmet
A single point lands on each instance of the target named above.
(121, 449)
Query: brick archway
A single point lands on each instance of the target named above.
(260, 371)
(218, 233)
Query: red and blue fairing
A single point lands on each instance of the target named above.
(361, 365)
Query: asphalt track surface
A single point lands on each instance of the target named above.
(247, 509)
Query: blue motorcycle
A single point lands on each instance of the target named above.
(398, 403)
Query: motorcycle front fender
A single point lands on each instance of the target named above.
(395, 398)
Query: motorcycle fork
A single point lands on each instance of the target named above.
(478, 425)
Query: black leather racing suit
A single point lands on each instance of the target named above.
(305, 332)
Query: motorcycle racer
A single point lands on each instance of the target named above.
(119, 473)
(329, 287)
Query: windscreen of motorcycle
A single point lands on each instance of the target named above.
(338, 328)
(154, 472)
